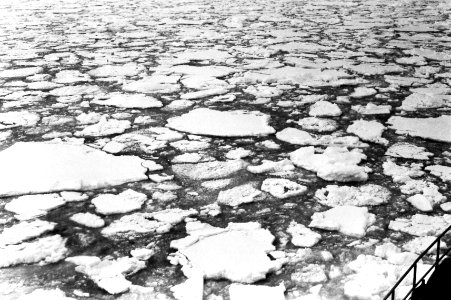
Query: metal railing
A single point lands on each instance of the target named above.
(416, 282)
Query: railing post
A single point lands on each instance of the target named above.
(393, 295)
(414, 276)
(438, 253)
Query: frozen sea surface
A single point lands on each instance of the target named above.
(221, 150)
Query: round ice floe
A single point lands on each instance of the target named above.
(206, 121)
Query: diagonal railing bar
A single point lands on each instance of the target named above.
(416, 282)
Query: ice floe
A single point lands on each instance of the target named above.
(206, 121)
(335, 164)
(301, 236)
(124, 202)
(282, 188)
(368, 194)
(436, 129)
(89, 168)
(44, 250)
(235, 196)
(237, 252)
(348, 220)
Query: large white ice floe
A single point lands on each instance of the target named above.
(109, 274)
(209, 170)
(347, 219)
(138, 223)
(241, 194)
(421, 225)
(31, 206)
(370, 131)
(127, 201)
(368, 194)
(44, 250)
(24, 231)
(205, 121)
(335, 164)
(436, 129)
(12, 119)
(301, 236)
(130, 101)
(238, 252)
(73, 167)
(239, 291)
(282, 188)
